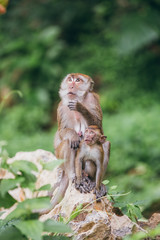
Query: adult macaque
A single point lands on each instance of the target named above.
(79, 108)
(90, 156)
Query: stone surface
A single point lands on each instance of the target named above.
(95, 220)
(154, 220)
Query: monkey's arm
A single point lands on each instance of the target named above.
(59, 195)
(71, 135)
(91, 118)
(106, 149)
(78, 168)
(64, 132)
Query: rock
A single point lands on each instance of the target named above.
(94, 221)
(154, 220)
(43, 176)
(151, 223)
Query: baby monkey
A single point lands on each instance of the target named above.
(89, 161)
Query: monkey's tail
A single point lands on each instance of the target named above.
(59, 195)
(61, 191)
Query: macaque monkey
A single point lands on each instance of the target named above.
(90, 157)
(79, 107)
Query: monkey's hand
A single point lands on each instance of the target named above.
(77, 106)
(73, 105)
(85, 185)
(77, 184)
(100, 192)
(75, 141)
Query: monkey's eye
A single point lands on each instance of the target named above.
(78, 80)
(69, 80)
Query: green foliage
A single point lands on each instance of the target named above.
(9, 232)
(134, 163)
(23, 222)
(30, 228)
(117, 43)
(76, 212)
(131, 209)
(7, 96)
(9, 184)
(53, 226)
(53, 164)
(44, 187)
(143, 235)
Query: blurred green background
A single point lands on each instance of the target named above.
(117, 43)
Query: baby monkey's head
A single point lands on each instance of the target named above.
(93, 135)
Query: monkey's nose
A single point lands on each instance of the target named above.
(71, 86)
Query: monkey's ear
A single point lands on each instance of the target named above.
(91, 85)
(103, 139)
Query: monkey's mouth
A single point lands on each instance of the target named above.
(87, 141)
(71, 93)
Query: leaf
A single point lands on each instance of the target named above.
(57, 227)
(105, 182)
(51, 165)
(4, 157)
(113, 187)
(49, 34)
(131, 212)
(76, 212)
(4, 2)
(154, 232)
(44, 187)
(12, 92)
(17, 213)
(124, 210)
(31, 228)
(1, 213)
(7, 96)
(26, 207)
(11, 233)
(9, 184)
(120, 204)
(30, 179)
(3, 143)
(140, 203)
(137, 212)
(23, 166)
(61, 218)
(55, 238)
(7, 201)
(133, 38)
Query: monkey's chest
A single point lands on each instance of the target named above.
(78, 123)
(91, 154)
(77, 116)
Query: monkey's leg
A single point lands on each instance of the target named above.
(50, 193)
(78, 163)
(103, 190)
(100, 192)
(72, 164)
(87, 185)
(59, 195)
(64, 151)
(106, 149)
(100, 188)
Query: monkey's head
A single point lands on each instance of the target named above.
(75, 86)
(93, 135)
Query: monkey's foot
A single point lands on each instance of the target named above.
(86, 185)
(100, 193)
